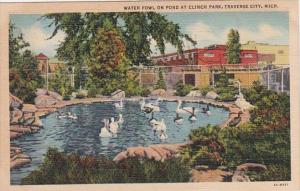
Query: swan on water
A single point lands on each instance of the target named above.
(163, 136)
(151, 106)
(121, 119)
(160, 126)
(144, 108)
(104, 132)
(206, 110)
(152, 121)
(184, 109)
(119, 104)
(113, 126)
(178, 120)
(72, 116)
(193, 116)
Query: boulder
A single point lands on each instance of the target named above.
(15, 102)
(201, 167)
(29, 108)
(195, 93)
(118, 94)
(240, 172)
(19, 160)
(16, 114)
(211, 95)
(240, 176)
(40, 91)
(44, 101)
(121, 156)
(55, 95)
(37, 122)
(158, 92)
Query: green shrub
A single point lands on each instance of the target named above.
(59, 168)
(161, 82)
(81, 95)
(67, 97)
(92, 91)
(145, 92)
(182, 89)
(205, 90)
(226, 97)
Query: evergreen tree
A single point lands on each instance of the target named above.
(233, 47)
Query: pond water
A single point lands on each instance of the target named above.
(82, 135)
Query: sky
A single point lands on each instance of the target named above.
(205, 28)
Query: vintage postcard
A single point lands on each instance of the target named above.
(166, 95)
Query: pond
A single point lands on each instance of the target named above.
(82, 135)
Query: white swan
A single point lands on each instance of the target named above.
(152, 106)
(120, 104)
(178, 120)
(61, 115)
(184, 109)
(160, 126)
(121, 119)
(104, 130)
(193, 116)
(152, 121)
(163, 136)
(113, 126)
(206, 110)
(145, 108)
(72, 116)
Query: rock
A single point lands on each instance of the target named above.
(121, 156)
(158, 92)
(164, 154)
(40, 91)
(14, 135)
(195, 93)
(211, 95)
(29, 108)
(16, 114)
(152, 154)
(15, 102)
(19, 129)
(251, 167)
(201, 167)
(240, 176)
(243, 104)
(240, 173)
(19, 160)
(55, 95)
(37, 122)
(118, 94)
(44, 101)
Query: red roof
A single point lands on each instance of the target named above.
(41, 56)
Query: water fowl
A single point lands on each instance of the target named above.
(193, 116)
(206, 110)
(235, 121)
(105, 130)
(154, 106)
(61, 115)
(184, 109)
(145, 108)
(119, 104)
(160, 126)
(113, 126)
(72, 116)
(163, 136)
(152, 120)
(178, 120)
(121, 119)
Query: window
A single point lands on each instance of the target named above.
(248, 55)
(208, 55)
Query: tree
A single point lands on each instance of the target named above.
(61, 83)
(137, 30)
(160, 82)
(233, 47)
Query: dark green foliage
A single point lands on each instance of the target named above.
(265, 140)
(205, 90)
(182, 89)
(233, 47)
(59, 168)
(92, 91)
(224, 88)
(160, 82)
(61, 82)
(145, 91)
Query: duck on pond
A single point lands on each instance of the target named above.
(178, 120)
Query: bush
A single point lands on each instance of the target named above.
(161, 82)
(67, 97)
(265, 139)
(59, 168)
(145, 92)
(80, 95)
(92, 91)
(205, 90)
(182, 89)
(226, 97)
